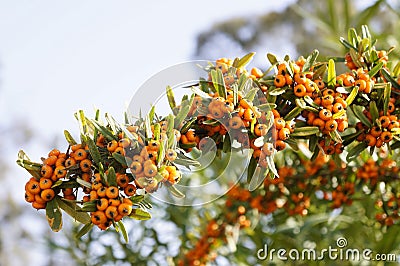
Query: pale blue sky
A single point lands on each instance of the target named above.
(59, 56)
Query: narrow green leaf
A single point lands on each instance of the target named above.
(175, 192)
(265, 107)
(123, 231)
(84, 230)
(251, 94)
(217, 79)
(226, 147)
(94, 151)
(251, 169)
(257, 178)
(375, 69)
(200, 93)
(347, 44)
(352, 95)
(373, 110)
(354, 152)
(277, 91)
(271, 165)
(69, 138)
(272, 59)
(180, 117)
(390, 79)
(84, 183)
(103, 130)
(139, 214)
(304, 131)
(136, 199)
(310, 61)
(245, 60)
(171, 98)
(53, 215)
(396, 70)
(73, 210)
(331, 74)
(89, 206)
(120, 158)
(293, 114)
(111, 177)
(386, 97)
(358, 111)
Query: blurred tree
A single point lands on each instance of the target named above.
(301, 27)
(176, 231)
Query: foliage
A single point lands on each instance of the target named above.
(301, 27)
(315, 141)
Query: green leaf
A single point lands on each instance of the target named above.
(84, 183)
(251, 94)
(53, 215)
(358, 111)
(257, 178)
(311, 102)
(386, 97)
(93, 150)
(217, 79)
(312, 142)
(171, 98)
(375, 69)
(175, 192)
(111, 177)
(180, 117)
(200, 93)
(347, 44)
(226, 147)
(115, 126)
(390, 79)
(352, 95)
(82, 123)
(139, 214)
(396, 70)
(271, 165)
(373, 110)
(265, 107)
(123, 231)
(103, 130)
(186, 161)
(335, 136)
(170, 130)
(310, 61)
(277, 91)
(353, 37)
(331, 74)
(69, 138)
(84, 230)
(293, 114)
(89, 206)
(272, 59)
(304, 131)
(73, 210)
(120, 158)
(244, 60)
(136, 199)
(354, 152)
(251, 168)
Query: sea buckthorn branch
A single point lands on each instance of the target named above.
(304, 188)
(304, 104)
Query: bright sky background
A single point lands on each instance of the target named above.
(60, 56)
